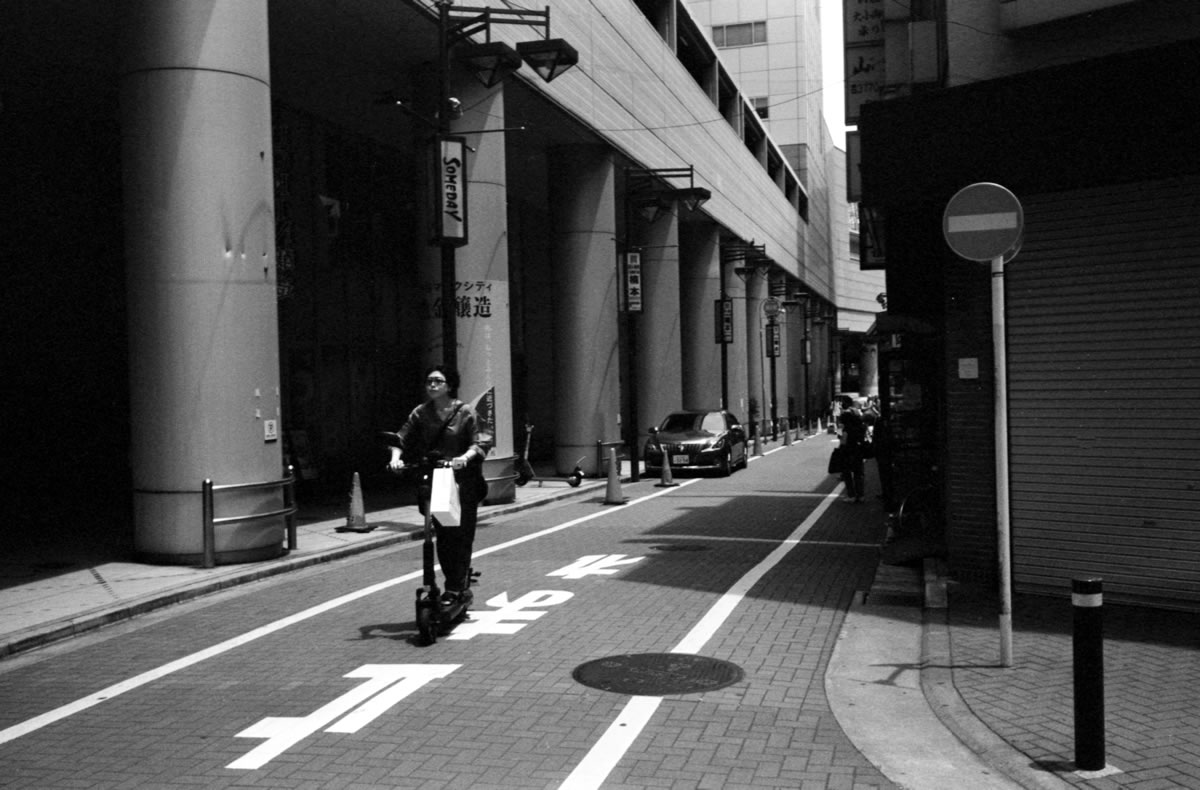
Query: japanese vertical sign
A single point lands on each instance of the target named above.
(633, 282)
(451, 201)
(724, 321)
(866, 72)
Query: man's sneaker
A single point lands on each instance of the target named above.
(451, 598)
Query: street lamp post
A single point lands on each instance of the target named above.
(491, 62)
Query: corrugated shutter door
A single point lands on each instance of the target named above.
(1104, 392)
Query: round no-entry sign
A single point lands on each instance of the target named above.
(983, 221)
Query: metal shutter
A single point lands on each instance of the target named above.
(1104, 392)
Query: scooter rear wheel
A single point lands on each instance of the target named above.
(427, 625)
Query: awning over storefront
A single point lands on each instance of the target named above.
(896, 323)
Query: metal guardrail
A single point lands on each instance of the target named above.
(286, 485)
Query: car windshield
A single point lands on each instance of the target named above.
(710, 422)
(679, 423)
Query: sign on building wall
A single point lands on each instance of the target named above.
(482, 312)
(451, 192)
(865, 63)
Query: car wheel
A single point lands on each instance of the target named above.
(725, 467)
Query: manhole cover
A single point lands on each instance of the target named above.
(680, 547)
(657, 674)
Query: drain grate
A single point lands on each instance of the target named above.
(658, 674)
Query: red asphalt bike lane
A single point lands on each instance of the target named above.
(316, 679)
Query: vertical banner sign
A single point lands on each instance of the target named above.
(484, 330)
(724, 321)
(484, 407)
(452, 191)
(865, 62)
(772, 339)
(633, 282)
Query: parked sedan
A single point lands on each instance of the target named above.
(697, 440)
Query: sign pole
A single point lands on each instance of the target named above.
(1003, 525)
(985, 222)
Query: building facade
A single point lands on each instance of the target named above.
(1080, 123)
(227, 209)
(774, 52)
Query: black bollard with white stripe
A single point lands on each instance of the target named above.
(1087, 601)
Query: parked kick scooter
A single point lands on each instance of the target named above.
(525, 472)
(434, 616)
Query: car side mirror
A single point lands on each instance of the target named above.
(653, 430)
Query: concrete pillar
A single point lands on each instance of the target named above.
(756, 369)
(700, 288)
(484, 332)
(659, 359)
(793, 321)
(743, 348)
(868, 369)
(586, 351)
(200, 245)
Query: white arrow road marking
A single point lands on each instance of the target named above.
(137, 681)
(387, 684)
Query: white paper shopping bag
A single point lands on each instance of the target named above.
(443, 501)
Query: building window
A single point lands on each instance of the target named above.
(762, 106)
(740, 35)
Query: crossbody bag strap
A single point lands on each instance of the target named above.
(437, 437)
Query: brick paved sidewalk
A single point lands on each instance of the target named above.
(1152, 689)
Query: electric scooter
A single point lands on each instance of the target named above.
(435, 617)
(525, 472)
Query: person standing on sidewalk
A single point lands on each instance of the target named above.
(443, 427)
(854, 437)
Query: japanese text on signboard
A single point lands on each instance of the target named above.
(472, 299)
(865, 63)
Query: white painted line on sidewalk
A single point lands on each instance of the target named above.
(58, 714)
(602, 758)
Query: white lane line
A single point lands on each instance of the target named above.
(70, 709)
(633, 718)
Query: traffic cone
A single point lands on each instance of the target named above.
(356, 521)
(613, 495)
(667, 479)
